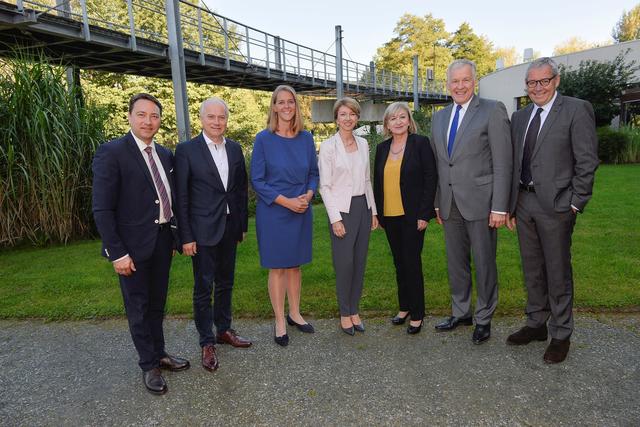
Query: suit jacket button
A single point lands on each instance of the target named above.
(157, 202)
(156, 221)
(450, 165)
(449, 184)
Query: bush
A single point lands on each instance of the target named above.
(611, 144)
(48, 135)
(632, 153)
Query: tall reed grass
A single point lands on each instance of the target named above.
(48, 135)
(631, 153)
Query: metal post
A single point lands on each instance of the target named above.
(298, 55)
(85, 21)
(64, 9)
(383, 81)
(132, 27)
(276, 52)
(313, 74)
(339, 88)
(266, 44)
(227, 63)
(248, 42)
(357, 79)
(325, 69)
(416, 78)
(346, 62)
(284, 62)
(372, 67)
(200, 36)
(178, 72)
(20, 6)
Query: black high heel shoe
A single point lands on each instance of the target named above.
(397, 320)
(359, 327)
(411, 330)
(349, 331)
(305, 327)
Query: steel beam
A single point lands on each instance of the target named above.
(339, 88)
(178, 73)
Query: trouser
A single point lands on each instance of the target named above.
(350, 255)
(406, 244)
(462, 238)
(545, 249)
(145, 294)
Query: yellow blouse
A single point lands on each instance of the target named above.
(392, 197)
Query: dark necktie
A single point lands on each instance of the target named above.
(164, 198)
(529, 143)
(454, 130)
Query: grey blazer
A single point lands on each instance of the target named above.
(565, 157)
(478, 173)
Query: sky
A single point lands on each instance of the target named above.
(367, 25)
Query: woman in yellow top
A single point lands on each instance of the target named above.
(404, 188)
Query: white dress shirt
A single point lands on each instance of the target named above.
(219, 154)
(164, 216)
(463, 110)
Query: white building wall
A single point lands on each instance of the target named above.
(507, 85)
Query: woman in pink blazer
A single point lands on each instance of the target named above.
(345, 186)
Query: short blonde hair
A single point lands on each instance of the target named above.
(393, 109)
(350, 103)
(272, 118)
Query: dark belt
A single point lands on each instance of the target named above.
(165, 226)
(527, 188)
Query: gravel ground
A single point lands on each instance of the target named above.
(85, 373)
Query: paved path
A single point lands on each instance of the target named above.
(84, 373)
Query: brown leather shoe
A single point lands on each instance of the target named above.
(209, 358)
(154, 382)
(527, 334)
(557, 351)
(174, 363)
(230, 337)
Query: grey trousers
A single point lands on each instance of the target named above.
(462, 238)
(350, 255)
(545, 249)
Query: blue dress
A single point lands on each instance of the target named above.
(286, 166)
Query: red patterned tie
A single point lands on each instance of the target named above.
(164, 198)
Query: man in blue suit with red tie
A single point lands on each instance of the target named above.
(211, 184)
(133, 210)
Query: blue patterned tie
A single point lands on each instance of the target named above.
(454, 129)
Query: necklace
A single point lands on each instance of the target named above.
(395, 153)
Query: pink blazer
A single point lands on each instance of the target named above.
(335, 177)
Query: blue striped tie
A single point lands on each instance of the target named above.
(454, 129)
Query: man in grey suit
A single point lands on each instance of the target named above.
(472, 145)
(555, 159)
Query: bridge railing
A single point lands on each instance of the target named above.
(207, 33)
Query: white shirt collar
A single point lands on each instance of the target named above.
(141, 144)
(209, 141)
(465, 106)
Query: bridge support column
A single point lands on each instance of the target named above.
(416, 98)
(178, 73)
(339, 88)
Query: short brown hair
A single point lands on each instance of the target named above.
(393, 109)
(272, 118)
(137, 97)
(350, 103)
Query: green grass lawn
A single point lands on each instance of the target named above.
(74, 282)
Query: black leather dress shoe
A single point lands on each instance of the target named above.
(304, 327)
(154, 382)
(481, 333)
(527, 334)
(453, 322)
(397, 320)
(411, 330)
(557, 351)
(174, 364)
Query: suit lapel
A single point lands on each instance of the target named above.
(408, 150)
(521, 130)
(468, 117)
(551, 118)
(137, 155)
(445, 116)
(206, 154)
(231, 160)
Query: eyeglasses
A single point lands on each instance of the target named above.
(543, 82)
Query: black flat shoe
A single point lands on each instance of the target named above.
(305, 327)
(397, 320)
(349, 331)
(411, 330)
(359, 328)
(282, 341)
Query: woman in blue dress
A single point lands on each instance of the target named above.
(284, 174)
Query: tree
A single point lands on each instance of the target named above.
(509, 54)
(628, 26)
(572, 44)
(599, 83)
(464, 43)
(425, 37)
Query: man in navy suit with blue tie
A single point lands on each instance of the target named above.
(133, 211)
(211, 184)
